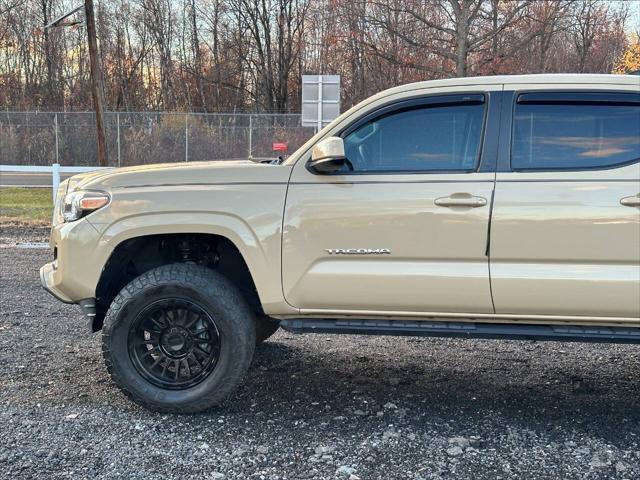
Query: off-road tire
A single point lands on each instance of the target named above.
(218, 297)
(265, 327)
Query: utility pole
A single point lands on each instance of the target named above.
(96, 74)
(96, 81)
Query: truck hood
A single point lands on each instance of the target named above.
(188, 173)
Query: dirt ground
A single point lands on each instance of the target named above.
(313, 406)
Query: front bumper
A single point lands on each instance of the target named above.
(80, 255)
(48, 282)
(88, 305)
(73, 275)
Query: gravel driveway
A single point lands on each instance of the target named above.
(315, 406)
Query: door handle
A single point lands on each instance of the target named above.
(461, 200)
(632, 201)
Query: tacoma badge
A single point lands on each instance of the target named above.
(357, 251)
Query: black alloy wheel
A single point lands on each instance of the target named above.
(174, 343)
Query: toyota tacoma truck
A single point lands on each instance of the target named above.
(494, 207)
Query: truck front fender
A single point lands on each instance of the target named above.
(259, 244)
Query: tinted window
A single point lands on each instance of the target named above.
(578, 136)
(428, 138)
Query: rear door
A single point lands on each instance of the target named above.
(565, 232)
(405, 232)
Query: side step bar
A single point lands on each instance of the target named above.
(564, 333)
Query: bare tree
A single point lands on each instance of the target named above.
(455, 29)
(248, 55)
(593, 21)
(275, 27)
(160, 22)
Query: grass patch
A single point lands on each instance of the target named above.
(29, 205)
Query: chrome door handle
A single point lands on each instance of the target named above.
(632, 201)
(461, 200)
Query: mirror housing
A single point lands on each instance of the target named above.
(327, 155)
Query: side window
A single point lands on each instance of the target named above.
(575, 135)
(427, 138)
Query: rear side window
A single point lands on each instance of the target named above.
(434, 138)
(581, 132)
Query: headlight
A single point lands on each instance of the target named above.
(77, 204)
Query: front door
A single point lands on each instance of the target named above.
(565, 231)
(404, 231)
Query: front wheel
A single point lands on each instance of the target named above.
(178, 338)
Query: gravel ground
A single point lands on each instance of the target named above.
(314, 406)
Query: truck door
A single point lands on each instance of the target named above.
(565, 232)
(404, 231)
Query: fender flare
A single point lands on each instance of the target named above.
(263, 266)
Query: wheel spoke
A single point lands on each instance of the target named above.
(194, 318)
(177, 365)
(150, 352)
(198, 349)
(195, 360)
(158, 360)
(185, 362)
(157, 324)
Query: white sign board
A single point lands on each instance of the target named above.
(320, 99)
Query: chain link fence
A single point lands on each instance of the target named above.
(137, 138)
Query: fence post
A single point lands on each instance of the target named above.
(186, 137)
(250, 135)
(320, 113)
(55, 176)
(55, 125)
(118, 135)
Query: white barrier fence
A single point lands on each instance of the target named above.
(55, 170)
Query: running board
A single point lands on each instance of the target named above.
(564, 333)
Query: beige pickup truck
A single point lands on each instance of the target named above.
(491, 207)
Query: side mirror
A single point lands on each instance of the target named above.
(327, 155)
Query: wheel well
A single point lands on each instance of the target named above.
(135, 256)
